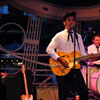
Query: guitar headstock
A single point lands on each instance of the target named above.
(23, 68)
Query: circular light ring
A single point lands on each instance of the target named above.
(12, 23)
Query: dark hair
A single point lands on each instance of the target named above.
(98, 35)
(69, 14)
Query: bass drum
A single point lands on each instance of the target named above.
(92, 78)
(95, 81)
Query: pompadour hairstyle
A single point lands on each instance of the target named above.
(69, 14)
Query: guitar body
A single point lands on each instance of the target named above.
(24, 97)
(60, 70)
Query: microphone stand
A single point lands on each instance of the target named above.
(75, 37)
(74, 61)
(87, 69)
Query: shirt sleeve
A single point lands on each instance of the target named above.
(52, 46)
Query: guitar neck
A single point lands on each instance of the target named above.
(88, 57)
(26, 87)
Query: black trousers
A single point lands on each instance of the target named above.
(73, 81)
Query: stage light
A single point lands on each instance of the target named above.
(94, 32)
(17, 60)
(12, 60)
(20, 63)
(1, 60)
(84, 31)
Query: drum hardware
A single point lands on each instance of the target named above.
(87, 75)
(92, 96)
(85, 72)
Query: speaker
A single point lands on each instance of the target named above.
(2, 92)
(15, 86)
(47, 93)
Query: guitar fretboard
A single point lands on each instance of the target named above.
(88, 57)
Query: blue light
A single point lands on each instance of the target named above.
(4, 10)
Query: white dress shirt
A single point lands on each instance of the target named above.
(92, 49)
(60, 43)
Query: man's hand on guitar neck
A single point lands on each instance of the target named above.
(91, 58)
(63, 62)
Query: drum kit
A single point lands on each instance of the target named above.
(91, 76)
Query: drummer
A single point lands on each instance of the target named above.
(94, 48)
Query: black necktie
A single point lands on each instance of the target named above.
(97, 48)
(70, 35)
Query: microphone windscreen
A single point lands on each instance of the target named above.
(73, 27)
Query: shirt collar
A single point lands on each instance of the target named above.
(68, 30)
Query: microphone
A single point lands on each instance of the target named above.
(74, 28)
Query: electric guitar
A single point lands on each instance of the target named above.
(27, 96)
(60, 70)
